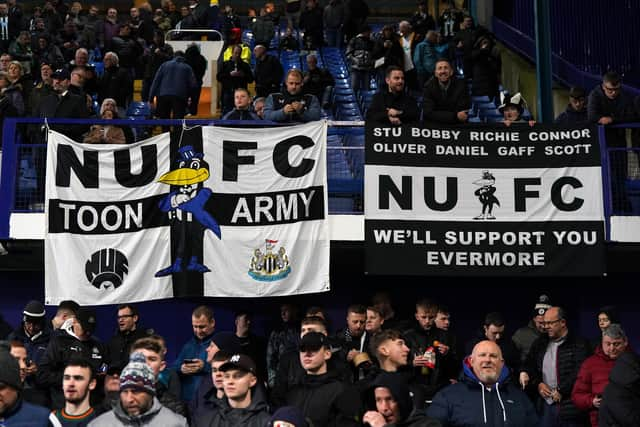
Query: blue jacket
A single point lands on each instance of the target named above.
(25, 414)
(425, 57)
(193, 349)
(468, 403)
(571, 116)
(174, 78)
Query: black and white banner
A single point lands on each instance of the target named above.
(483, 201)
(208, 211)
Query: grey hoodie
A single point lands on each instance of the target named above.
(156, 416)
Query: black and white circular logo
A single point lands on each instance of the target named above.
(107, 268)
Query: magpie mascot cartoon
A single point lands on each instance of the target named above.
(185, 206)
(486, 195)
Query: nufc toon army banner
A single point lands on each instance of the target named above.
(208, 211)
(483, 201)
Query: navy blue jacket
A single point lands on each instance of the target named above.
(469, 403)
(174, 78)
(24, 414)
(571, 116)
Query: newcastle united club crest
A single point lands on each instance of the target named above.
(269, 266)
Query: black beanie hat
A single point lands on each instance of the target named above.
(9, 370)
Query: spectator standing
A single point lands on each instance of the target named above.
(408, 41)
(268, 72)
(593, 376)
(159, 53)
(281, 340)
(576, 112)
(116, 82)
(128, 332)
(110, 27)
(198, 64)
(620, 405)
(387, 52)
(263, 28)
(13, 409)
(446, 99)
(63, 104)
(425, 57)
(355, 17)
(359, 54)
(524, 337)
(311, 24)
(47, 52)
(478, 398)
(243, 405)
(251, 344)
(421, 21)
(493, 330)
(234, 74)
(190, 363)
(8, 28)
(35, 334)
(289, 42)
(128, 49)
(333, 17)
(318, 395)
(76, 340)
(393, 105)
(450, 20)
(66, 310)
(552, 368)
(78, 382)
(487, 68)
(292, 10)
(173, 85)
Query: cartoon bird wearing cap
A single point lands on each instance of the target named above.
(486, 195)
(185, 206)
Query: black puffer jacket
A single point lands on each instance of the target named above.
(571, 353)
(621, 399)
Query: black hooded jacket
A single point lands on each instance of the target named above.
(400, 391)
(223, 415)
(317, 397)
(621, 399)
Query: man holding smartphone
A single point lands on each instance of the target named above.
(190, 363)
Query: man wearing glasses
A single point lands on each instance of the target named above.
(128, 332)
(552, 367)
(608, 105)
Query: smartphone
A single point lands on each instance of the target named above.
(191, 360)
(28, 362)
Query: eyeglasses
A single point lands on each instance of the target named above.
(550, 322)
(125, 316)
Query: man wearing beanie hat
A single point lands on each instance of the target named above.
(244, 405)
(138, 404)
(288, 416)
(524, 337)
(13, 410)
(76, 340)
(35, 334)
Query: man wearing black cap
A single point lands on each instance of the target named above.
(63, 104)
(318, 394)
(242, 406)
(14, 410)
(76, 340)
(576, 111)
(524, 337)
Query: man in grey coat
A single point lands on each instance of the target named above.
(138, 404)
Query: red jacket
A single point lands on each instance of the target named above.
(593, 377)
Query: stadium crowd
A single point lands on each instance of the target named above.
(380, 369)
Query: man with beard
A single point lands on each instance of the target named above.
(446, 99)
(128, 332)
(485, 395)
(138, 404)
(393, 106)
(77, 384)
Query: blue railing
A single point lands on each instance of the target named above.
(588, 37)
(21, 191)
